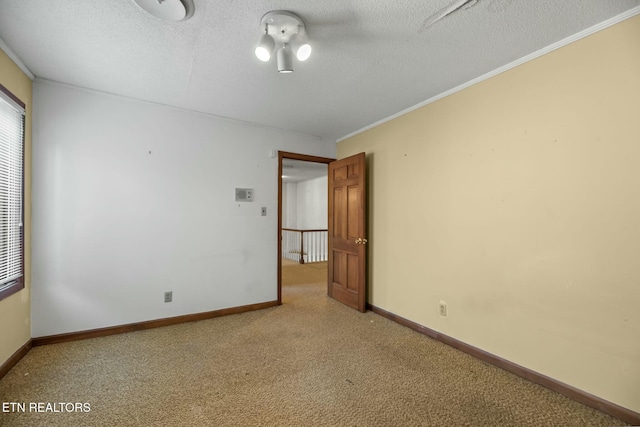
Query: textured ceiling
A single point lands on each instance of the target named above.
(370, 58)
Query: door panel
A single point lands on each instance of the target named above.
(340, 222)
(352, 272)
(340, 267)
(353, 222)
(347, 226)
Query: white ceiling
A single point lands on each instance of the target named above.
(299, 170)
(370, 59)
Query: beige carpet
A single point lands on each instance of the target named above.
(293, 365)
(294, 273)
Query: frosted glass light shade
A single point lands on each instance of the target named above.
(169, 10)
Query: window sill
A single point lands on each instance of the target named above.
(11, 288)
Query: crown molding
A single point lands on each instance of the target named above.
(16, 59)
(557, 45)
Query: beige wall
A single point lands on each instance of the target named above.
(517, 201)
(15, 311)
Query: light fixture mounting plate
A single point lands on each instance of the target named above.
(282, 24)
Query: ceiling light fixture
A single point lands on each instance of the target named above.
(168, 10)
(287, 31)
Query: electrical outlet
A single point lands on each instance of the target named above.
(168, 296)
(443, 309)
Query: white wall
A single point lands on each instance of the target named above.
(132, 199)
(290, 205)
(312, 204)
(305, 204)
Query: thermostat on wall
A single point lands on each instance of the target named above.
(244, 195)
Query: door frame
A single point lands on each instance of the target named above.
(293, 156)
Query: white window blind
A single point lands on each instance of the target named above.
(11, 189)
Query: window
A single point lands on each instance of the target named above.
(12, 112)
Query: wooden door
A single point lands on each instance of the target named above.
(347, 228)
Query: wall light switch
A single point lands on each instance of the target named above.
(264, 211)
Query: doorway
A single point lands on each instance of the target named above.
(294, 248)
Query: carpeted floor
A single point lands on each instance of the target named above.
(310, 362)
(294, 273)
